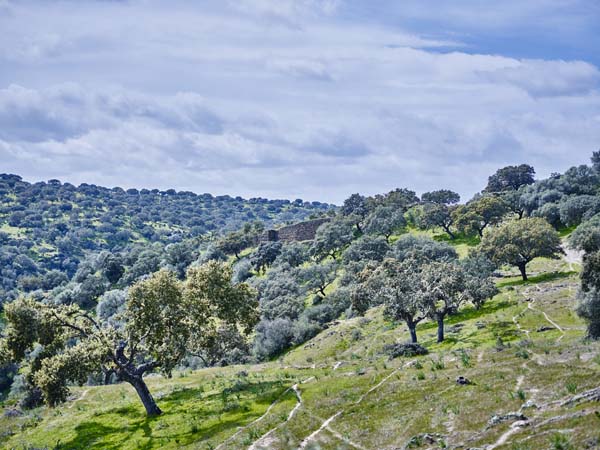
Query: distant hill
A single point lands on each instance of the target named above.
(50, 225)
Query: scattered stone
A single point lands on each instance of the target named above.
(338, 364)
(455, 328)
(463, 381)
(593, 395)
(242, 373)
(408, 349)
(544, 328)
(480, 325)
(529, 404)
(13, 412)
(425, 439)
(509, 417)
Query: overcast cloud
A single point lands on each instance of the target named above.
(314, 99)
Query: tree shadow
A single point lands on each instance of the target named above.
(182, 404)
(549, 276)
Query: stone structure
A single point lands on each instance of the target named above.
(303, 231)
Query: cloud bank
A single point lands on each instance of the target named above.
(314, 99)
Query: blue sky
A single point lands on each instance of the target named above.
(314, 99)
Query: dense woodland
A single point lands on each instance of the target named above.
(113, 284)
(47, 229)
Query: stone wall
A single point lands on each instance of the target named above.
(303, 231)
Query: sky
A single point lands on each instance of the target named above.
(311, 99)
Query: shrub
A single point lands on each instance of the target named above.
(407, 349)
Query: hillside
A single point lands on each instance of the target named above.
(534, 386)
(308, 336)
(50, 227)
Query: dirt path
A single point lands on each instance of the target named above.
(81, 397)
(266, 441)
(221, 446)
(572, 256)
(325, 424)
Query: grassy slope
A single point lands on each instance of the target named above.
(372, 402)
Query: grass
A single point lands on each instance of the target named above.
(381, 403)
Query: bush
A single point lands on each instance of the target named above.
(407, 350)
(272, 337)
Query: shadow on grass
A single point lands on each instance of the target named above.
(190, 406)
(469, 313)
(459, 238)
(550, 276)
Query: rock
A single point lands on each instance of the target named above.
(463, 381)
(544, 328)
(455, 328)
(242, 373)
(529, 404)
(508, 417)
(480, 325)
(424, 439)
(13, 412)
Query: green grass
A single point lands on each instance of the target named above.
(382, 403)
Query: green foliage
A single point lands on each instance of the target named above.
(384, 221)
(332, 237)
(586, 236)
(479, 213)
(510, 178)
(517, 243)
(165, 318)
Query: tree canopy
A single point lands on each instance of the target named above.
(164, 320)
(517, 243)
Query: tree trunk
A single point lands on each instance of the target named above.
(450, 233)
(523, 271)
(139, 384)
(412, 329)
(440, 329)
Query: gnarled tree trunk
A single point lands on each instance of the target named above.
(440, 328)
(523, 271)
(143, 392)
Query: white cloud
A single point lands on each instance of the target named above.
(278, 99)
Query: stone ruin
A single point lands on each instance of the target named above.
(303, 231)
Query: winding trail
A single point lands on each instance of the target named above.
(81, 397)
(264, 441)
(221, 446)
(325, 424)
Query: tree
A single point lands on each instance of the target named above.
(476, 215)
(331, 238)
(234, 243)
(446, 286)
(586, 236)
(596, 161)
(265, 255)
(412, 290)
(280, 295)
(422, 249)
(165, 319)
(441, 197)
(434, 215)
(355, 207)
(577, 208)
(384, 221)
(318, 277)
(510, 178)
(517, 243)
(398, 285)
